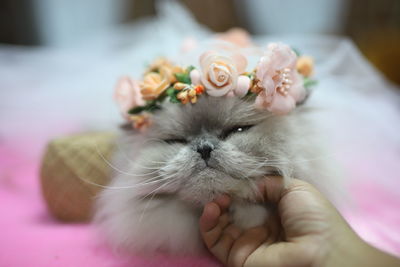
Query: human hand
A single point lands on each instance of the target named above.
(306, 231)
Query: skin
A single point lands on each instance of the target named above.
(306, 230)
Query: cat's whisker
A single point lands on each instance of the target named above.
(110, 187)
(116, 168)
(145, 183)
(281, 161)
(119, 144)
(250, 160)
(154, 192)
(111, 165)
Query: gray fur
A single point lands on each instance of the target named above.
(155, 204)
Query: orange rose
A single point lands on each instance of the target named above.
(155, 83)
(167, 67)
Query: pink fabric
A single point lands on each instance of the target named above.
(29, 236)
(376, 211)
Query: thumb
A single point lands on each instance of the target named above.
(274, 188)
(278, 254)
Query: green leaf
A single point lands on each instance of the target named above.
(161, 97)
(136, 110)
(183, 78)
(170, 91)
(250, 75)
(173, 99)
(297, 52)
(152, 108)
(190, 68)
(150, 102)
(309, 82)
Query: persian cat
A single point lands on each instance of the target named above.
(190, 155)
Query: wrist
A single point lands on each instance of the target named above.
(353, 251)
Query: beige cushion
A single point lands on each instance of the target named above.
(73, 170)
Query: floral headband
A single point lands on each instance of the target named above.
(280, 81)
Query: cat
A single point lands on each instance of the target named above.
(193, 153)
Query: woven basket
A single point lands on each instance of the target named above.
(73, 171)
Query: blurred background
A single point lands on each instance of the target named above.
(374, 25)
(60, 60)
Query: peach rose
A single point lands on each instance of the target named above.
(236, 36)
(154, 83)
(281, 84)
(163, 64)
(220, 73)
(127, 94)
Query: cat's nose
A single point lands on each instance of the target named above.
(205, 151)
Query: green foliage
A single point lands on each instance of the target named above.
(189, 69)
(309, 82)
(150, 106)
(296, 51)
(183, 77)
(136, 110)
(171, 92)
(173, 99)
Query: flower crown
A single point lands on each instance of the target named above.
(279, 82)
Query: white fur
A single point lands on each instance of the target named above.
(154, 203)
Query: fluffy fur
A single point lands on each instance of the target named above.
(155, 200)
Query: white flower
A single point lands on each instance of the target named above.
(220, 73)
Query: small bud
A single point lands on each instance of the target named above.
(192, 92)
(185, 100)
(180, 86)
(305, 65)
(195, 76)
(199, 89)
(243, 86)
(193, 99)
(183, 97)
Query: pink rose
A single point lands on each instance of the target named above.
(281, 84)
(236, 36)
(127, 94)
(220, 73)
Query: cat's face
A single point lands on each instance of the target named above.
(214, 146)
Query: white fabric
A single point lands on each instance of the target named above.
(43, 90)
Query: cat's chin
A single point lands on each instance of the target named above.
(209, 182)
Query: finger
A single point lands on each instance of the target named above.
(274, 228)
(209, 217)
(275, 187)
(233, 230)
(246, 244)
(221, 249)
(213, 235)
(272, 186)
(223, 202)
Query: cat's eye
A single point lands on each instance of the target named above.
(236, 129)
(175, 141)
